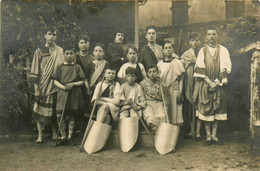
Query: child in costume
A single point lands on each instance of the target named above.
(68, 78)
(189, 59)
(96, 69)
(134, 96)
(46, 59)
(132, 55)
(154, 112)
(108, 104)
(171, 75)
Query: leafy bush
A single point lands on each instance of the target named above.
(14, 99)
(243, 31)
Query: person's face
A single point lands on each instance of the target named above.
(152, 73)
(69, 56)
(151, 35)
(119, 38)
(130, 78)
(131, 55)
(195, 43)
(83, 45)
(110, 74)
(98, 52)
(168, 49)
(50, 37)
(212, 36)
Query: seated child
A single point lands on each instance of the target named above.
(154, 112)
(131, 54)
(110, 96)
(96, 69)
(134, 96)
(68, 78)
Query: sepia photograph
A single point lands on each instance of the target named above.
(140, 85)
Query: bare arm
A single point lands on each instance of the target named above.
(109, 100)
(59, 85)
(78, 83)
(36, 90)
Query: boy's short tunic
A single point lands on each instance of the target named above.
(112, 91)
(44, 64)
(84, 62)
(170, 74)
(139, 68)
(68, 73)
(154, 111)
(136, 94)
(215, 64)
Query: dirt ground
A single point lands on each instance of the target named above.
(23, 154)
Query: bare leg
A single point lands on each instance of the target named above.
(39, 127)
(208, 132)
(214, 130)
(54, 131)
(102, 113)
(191, 129)
(198, 125)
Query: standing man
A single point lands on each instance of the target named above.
(46, 59)
(151, 53)
(211, 69)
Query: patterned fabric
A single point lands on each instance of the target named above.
(44, 64)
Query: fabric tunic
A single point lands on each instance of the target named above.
(136, 94)
(68, 73)
(44, 64)
(170, 75)
(95, 72)
(150, 55)
(188, 59)
(215, 64)
(114, 54)
(112, 91)
(140, 71)
(154, 111)
(84, 62)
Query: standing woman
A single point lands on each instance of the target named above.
(115, 53)
(171, 75)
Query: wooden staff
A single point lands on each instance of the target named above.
(90, 122)
(62, 116)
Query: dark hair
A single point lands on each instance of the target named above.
(194, 35)
(131, 46)
(69, 47)
(110, 67)
(118, 30)
(150, 27)
(101, 45)
(131, 70)
(151, 66)
(212, 27)
(83, 37)
(166, 42)
(50, 28)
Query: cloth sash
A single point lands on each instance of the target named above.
(99, 67)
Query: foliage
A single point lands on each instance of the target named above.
(243, 31)
(14, 101)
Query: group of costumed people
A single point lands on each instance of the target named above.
(153, 84)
